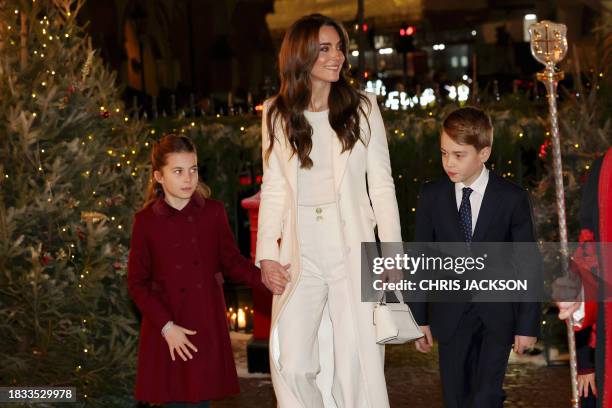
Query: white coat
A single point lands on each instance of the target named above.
(277, 221)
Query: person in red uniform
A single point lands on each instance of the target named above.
(593, 261)
(181, 250)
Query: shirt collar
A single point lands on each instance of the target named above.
(479, 185)
(161, 207)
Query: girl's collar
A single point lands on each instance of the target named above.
(161, 207)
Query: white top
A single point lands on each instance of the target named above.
(479, 186)
(316, 185)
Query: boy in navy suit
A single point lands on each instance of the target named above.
(474, 205)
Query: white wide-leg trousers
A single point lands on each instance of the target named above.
(322, 289)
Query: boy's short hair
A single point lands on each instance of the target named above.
(470, 126)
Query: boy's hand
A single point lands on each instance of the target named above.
(584, 382)
(425, 343)
(275, 276)
(177, 341)
(522, 343)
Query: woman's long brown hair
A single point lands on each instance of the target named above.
(299, 51)
(170, 143)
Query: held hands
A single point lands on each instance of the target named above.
(177, 341)
(522, 343)
(424, 344)
(275, 276)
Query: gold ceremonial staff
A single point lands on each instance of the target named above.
(549, 46)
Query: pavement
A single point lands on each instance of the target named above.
(413, 381)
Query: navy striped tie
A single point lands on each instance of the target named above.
(465, 214)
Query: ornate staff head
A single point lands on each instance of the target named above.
(548, 42)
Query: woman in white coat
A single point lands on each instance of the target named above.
(321, 139)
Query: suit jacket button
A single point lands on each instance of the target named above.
(199, 286)
(190, 218)
(193, 240)
(178, 267)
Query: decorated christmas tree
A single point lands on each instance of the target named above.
(70, 179)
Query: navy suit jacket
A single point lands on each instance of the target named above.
(505, 216)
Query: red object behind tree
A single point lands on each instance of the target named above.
(262, 300)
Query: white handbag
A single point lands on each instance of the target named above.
(394, 323)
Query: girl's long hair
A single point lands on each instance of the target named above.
(170, 143)
(299, 51)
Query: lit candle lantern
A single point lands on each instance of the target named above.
(233, 322)
(241, 319)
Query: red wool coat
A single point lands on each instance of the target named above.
(175, 272)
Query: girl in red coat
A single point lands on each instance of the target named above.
(181, 249)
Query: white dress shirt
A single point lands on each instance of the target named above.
(478, 186)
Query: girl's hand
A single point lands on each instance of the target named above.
(274, 275)
(584, 382)
(177, 341)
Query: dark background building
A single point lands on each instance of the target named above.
(202, 50)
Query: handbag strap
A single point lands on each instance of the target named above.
(398, 295)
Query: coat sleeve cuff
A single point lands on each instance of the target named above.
(271, 252)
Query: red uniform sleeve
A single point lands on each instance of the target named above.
(584, 263)
(140, 278)
(235, 266)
